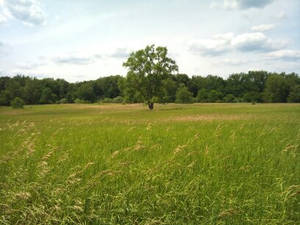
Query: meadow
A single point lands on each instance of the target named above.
(123, 164)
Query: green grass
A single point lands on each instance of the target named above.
(123, 164)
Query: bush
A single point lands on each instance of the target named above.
(17, 103)
(62, 101)
(237, 100)
(106, 100)
(80, 101)
(118, 99)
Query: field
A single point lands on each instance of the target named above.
(123, 164)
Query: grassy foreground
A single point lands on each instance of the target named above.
(122, 164)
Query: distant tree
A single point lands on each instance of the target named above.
(130, 95)
(47, 96)
(86, 92)
(214, 96)
(213, 83)
(252, 96)
(183, 95)
(4, 97)
(147, 68)
(32, 91)
(14, 88)
(229, 98)
(181, 79)
(257, 80)
(107, 87)
(195, 84)
(277, 89)
(294, 95)
(169, 90)
(234, 85)
(62, 89)
(149, 81)
(202, 95)
(17, 103)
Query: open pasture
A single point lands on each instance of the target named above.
(124, 164)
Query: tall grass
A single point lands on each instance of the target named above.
(180, 164)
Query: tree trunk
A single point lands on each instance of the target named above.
(151, 105)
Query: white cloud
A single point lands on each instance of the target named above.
(288, 55)
(223, 43)
(225, 36)
(253, 3)
(3, 12)
(234, 61)
(263, 27)
(3, 48)
(29, 65)
(218, 45)
(240, 4)
(281, 15)
(120, 53)
(27, 11)
(90, 57)
(2, 19)
(75, 60)
(255, 42)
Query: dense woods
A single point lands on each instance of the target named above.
(254, 86)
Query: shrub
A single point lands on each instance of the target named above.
(118, 99)
(237, 100)
(17, 103)
(80, 101)
(106, 100)
(62, 101)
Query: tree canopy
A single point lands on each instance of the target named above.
(254, 86)
(147, 69)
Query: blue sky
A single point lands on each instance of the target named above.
(86, 39)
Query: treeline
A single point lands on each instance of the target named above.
(254, 86)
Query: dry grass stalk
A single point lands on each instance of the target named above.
(228, 212)
(179, 148)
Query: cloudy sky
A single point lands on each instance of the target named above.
(86, 39)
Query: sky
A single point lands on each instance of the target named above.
(86, 39)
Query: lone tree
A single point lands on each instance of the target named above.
(147, 68)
